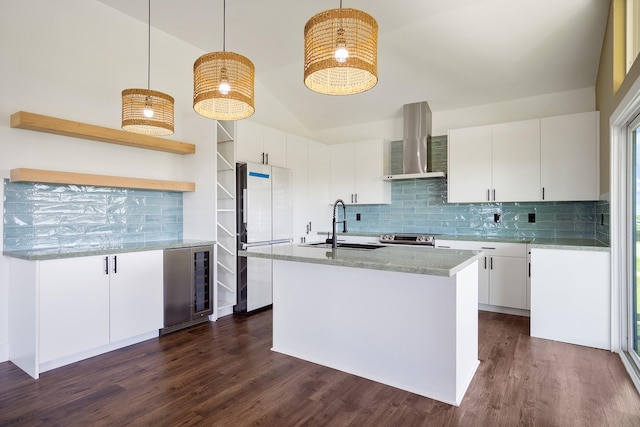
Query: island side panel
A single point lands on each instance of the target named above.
(466, 327)
(399, 329)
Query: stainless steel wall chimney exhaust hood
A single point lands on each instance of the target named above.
(417, 130)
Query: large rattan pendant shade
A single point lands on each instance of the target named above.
(351, 29)
(134, 104)
(216, 68)
(147, 111)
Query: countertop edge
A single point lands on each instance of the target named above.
(429, 271)
(570, 247)
(152, 246)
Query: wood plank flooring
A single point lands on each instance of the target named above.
(224, 374)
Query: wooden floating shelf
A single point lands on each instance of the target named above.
(57, 177)
(47, 124)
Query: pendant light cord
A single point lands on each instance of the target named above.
(149, 48)
(224, 25)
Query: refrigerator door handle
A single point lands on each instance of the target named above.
(265, 243)
(245, 204)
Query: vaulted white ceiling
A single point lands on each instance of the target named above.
(451, 53)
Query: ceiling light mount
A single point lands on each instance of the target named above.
(147, 111)
(223, 83)
(341, 52)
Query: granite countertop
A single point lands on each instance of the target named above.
(435, 262)
(535, 242)
(72, 252)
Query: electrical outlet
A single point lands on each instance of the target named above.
(357, 217)
(496, 217)
(532, 217)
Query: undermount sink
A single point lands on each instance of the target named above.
(345, 245)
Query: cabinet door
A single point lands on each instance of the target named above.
(343, 176)
(249, 142)
(515, 151)
(275, 147)
(569, 167)
(319, 162)
(74, 306)
(571, 296)
(297, 154)
(136, 303)
(371, 157)
(469, 164)
(508, 282)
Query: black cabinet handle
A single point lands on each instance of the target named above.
(106, 265)
(542, 193)
(485, 263)
(491, 263)
(267, 159)
(115, 263)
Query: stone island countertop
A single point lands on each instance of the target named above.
(428, 261)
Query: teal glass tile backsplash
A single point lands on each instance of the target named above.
(43, 216)
(420, 206)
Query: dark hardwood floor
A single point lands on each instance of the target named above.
(224, 374)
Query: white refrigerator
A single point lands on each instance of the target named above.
(264, 212)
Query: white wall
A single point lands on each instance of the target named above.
(72, 59)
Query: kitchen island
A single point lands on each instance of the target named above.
(405, 317)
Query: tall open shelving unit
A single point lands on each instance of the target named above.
(226, 295)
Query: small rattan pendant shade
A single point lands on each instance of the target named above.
(357, 31)
(134, 103)
(209, 71)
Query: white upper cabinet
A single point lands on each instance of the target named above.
(515, 152)
(309, 162)
(343, 172)
(275, 147)
(357, 169)
(297, 156)
(569, 157)
(318, 186)
(260, 144)
(551, 159)
(469, 167)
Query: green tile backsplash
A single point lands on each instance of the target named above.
(44, 216)
(420, 206)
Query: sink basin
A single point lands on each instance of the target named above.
(345, 245)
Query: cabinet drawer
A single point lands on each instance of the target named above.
(495, 248)
(447, 244)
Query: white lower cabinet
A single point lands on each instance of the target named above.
(571, 296)
(135, 294)
(74, 306)
(84, 306)
(503, 273)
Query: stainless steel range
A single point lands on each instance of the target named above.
(408, 239)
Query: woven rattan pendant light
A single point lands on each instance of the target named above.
(341, 52)
(223, 83)
(147, 111)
